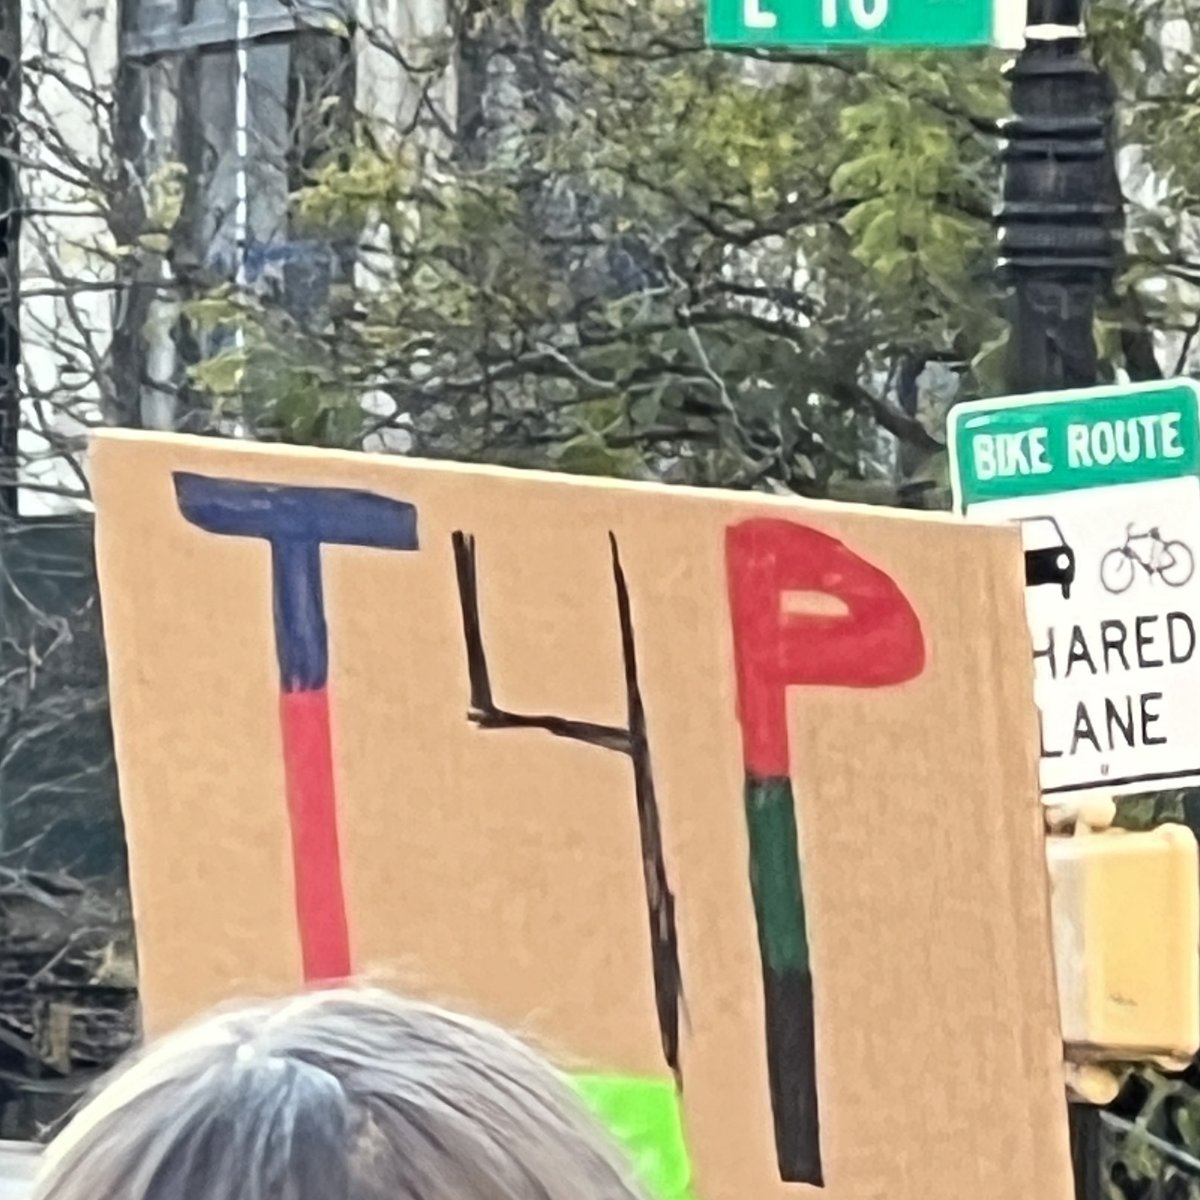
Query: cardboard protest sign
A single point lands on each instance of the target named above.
(729, 802)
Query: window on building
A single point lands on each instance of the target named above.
(245, 95)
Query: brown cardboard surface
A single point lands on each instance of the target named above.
(500, 869)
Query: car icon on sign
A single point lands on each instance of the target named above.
(1048, 558)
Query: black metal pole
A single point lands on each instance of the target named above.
(1060, 229)
(1087, 1150)
(1061, 215)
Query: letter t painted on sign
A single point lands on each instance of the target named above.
(296, 522)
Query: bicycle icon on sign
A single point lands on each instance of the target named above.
(1171, 561)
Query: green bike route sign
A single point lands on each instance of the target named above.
(865, 24)
(1105, 486)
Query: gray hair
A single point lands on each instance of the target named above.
(341, 1095)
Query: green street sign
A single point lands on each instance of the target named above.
(863, 24)
(1040, 445)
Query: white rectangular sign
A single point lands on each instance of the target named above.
(1117, 668)
(1105, 485)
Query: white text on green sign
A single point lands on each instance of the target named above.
(865, 23)
(1135, 435)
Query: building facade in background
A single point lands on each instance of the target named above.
(160, 142)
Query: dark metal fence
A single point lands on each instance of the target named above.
(1152, 1154)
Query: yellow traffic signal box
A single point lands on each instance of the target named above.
(1126, 916)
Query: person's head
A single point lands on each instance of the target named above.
(341, 1095)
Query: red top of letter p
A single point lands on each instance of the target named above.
(876, 642)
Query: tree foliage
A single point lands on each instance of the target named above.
(644, 258)
(636, 256)
(589, 243)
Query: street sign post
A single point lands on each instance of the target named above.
(864, 24)
(1105, 485)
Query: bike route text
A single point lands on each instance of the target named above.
(1088, 445)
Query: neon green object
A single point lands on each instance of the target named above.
(644, 1116)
